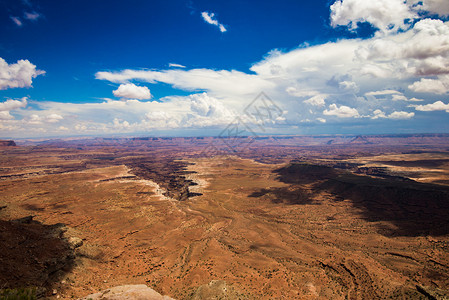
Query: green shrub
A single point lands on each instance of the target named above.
(18, 294)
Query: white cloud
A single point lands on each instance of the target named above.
(348, 86)
(9, 105)
(438, 105)
(36, 119)
(17, 21)
(17, 75)
(12, 104)
(5, 115)
(341, 112)
(382, 93)
(421, 51)
(173, 65)
(392, 95)
(401, 115)
(53, 118)
(293, 91)
(221, 82)
(386, 15)
(204, 105)
(399, 97)
(396, 115)
(317, 100)
(132, 91)
(378, 114)
(162, 120)
(32, 16)
(434, 86)
(121, 125)
(209, 18)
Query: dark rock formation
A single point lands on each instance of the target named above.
(7, 143)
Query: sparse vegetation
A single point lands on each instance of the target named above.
(18, 294)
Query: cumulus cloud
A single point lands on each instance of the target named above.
(132, 91)
(399, 97)
(121, 125)
(341, 112)
(5, 115)
(36, 119)
(421, 51)
(53, 118)
(386, 15)
(396, 115)
(378, 114)
(17, 75)
(438, 105)
(209, 18)
(9, 105)
(434, 86)
(204, 105)
(348, 86)
(12, 104)
(401, 115)
(317, 100)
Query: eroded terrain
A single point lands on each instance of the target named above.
(290, 218)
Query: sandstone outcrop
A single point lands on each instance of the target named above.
(130, 292)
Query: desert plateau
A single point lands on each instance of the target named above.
(291, 217)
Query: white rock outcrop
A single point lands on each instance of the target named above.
(130, 292)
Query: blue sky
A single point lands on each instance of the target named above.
(190, 67)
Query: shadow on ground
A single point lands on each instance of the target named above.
(413, 208)
(287, 195)
(33, 255)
